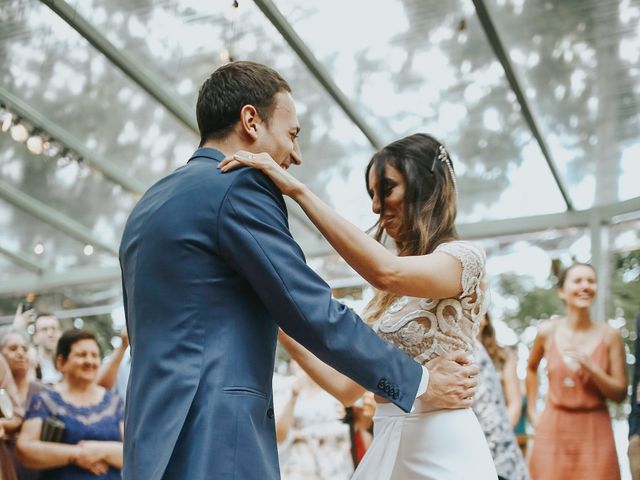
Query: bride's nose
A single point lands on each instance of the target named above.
(375, 204)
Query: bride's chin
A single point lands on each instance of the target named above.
(391, 234)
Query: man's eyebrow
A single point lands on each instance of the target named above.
(297, 129)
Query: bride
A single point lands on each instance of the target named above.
(429, 301)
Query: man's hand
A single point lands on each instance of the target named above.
(452, 382)
(22, 319)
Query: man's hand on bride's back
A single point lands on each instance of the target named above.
(452, 382)
(286, 182)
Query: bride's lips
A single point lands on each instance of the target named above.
(386, 220)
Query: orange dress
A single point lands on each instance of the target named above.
(574, 438)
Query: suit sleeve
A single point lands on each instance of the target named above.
(254, 237)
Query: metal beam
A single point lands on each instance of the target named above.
(516, 226)
(22, 260)
(537, 223)
(600, 256)
(317, 70)
(498, 49)
(82, 276)
(51, 216)
(108, 169)
(75, 277)
(144, 77)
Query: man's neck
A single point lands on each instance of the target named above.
(44, 352)
(228, 145)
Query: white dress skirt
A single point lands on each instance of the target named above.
(441, 445)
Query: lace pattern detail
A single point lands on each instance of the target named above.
(473, 260)
(49, 402)
(426, 328)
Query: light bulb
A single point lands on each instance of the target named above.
(38, 249)
(19, 132)
(6, 119)
(35, 144)
(88, 250)
(51, 148)
(225, 55)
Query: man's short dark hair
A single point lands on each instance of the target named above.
(231, 87)
(69, 338)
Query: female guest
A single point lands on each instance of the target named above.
(429, 302)
(586, 367)
(505, 362)
(313, 442)
(91, 443)
(10, 419)
(14, 347)
(490, 409)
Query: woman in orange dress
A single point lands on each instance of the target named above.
(586, 367)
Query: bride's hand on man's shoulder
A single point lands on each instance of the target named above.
(286, 182)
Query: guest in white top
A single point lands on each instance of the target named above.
(45, 338)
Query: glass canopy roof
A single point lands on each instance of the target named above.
(402, 65)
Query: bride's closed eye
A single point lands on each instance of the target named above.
(387, 187)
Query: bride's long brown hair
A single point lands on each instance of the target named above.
(429, 202)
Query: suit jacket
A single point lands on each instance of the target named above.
(209, 271)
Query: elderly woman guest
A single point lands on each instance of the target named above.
(14, 347)
(10, 419)
(91, 446)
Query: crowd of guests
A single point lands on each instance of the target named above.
(68, 406)
(62, 424)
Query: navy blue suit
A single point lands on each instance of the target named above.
(209, 271)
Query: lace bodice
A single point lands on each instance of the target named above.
(425, 328)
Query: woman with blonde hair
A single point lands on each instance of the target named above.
(429, 301)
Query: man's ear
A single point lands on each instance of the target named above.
(250, 121)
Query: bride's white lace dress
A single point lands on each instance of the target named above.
(440, 445)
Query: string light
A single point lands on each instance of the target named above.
(38, 249)
(37, 142)
(51, 148)
(19, 132)
(88, 250)
(6, 119)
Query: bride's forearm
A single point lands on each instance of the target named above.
(365, 255)
(335, 383)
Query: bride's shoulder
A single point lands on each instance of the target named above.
(468, 253)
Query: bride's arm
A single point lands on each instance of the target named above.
(340, 386)
(432, 276)
(436, 275)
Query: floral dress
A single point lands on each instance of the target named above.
(489, 407)
(96, 422)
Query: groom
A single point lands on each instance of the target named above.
(210, 271)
